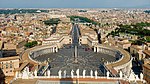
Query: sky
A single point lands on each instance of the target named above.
(74, 3)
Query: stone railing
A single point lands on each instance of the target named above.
(81, 77)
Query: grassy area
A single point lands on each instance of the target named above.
(52, 21)
(83, 19)
(31, 44)
(133, 29)
(147, 38)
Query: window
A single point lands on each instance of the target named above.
(10, 65)
(10, 70)
(2, 67)
(6, 65)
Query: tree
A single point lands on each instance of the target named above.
(31, 44)
(137, 42)
(52, 21)
(147, 38)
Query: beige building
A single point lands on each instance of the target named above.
(146, 66)
(58, 40)
(125, 44)
(9, 64)
(137, 52)
(1, 51)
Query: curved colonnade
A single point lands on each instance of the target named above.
(124, 63)
(45, 49)
(30, 54)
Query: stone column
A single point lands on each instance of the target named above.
(53, 49)
(56, 49)
(121, 74)
(97, 49)
(94, 49)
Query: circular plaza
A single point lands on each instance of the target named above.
(63, 58)
(76, 58)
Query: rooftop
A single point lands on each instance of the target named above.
(9, 58)
(147, 52)
(147, 66)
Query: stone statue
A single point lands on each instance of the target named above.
(27, 69)
(91, 72)
(120, 74)
(65, 73)
(84, 71)
(59, 73)
(48, 73)
(132, 76)
(35, 73)
(45, 73)
(31, 75)
(136, 77)
(108, 74)
(96, 74)
(16, 74)
(20, 75)
(141, 76)
(77, 72)
(72, 71)
(25, 74)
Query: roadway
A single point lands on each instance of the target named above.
(75, 35)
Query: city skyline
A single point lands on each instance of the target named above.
(75, 4)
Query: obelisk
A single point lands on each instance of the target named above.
(75, 55)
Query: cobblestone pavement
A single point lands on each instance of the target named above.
(64, 58)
